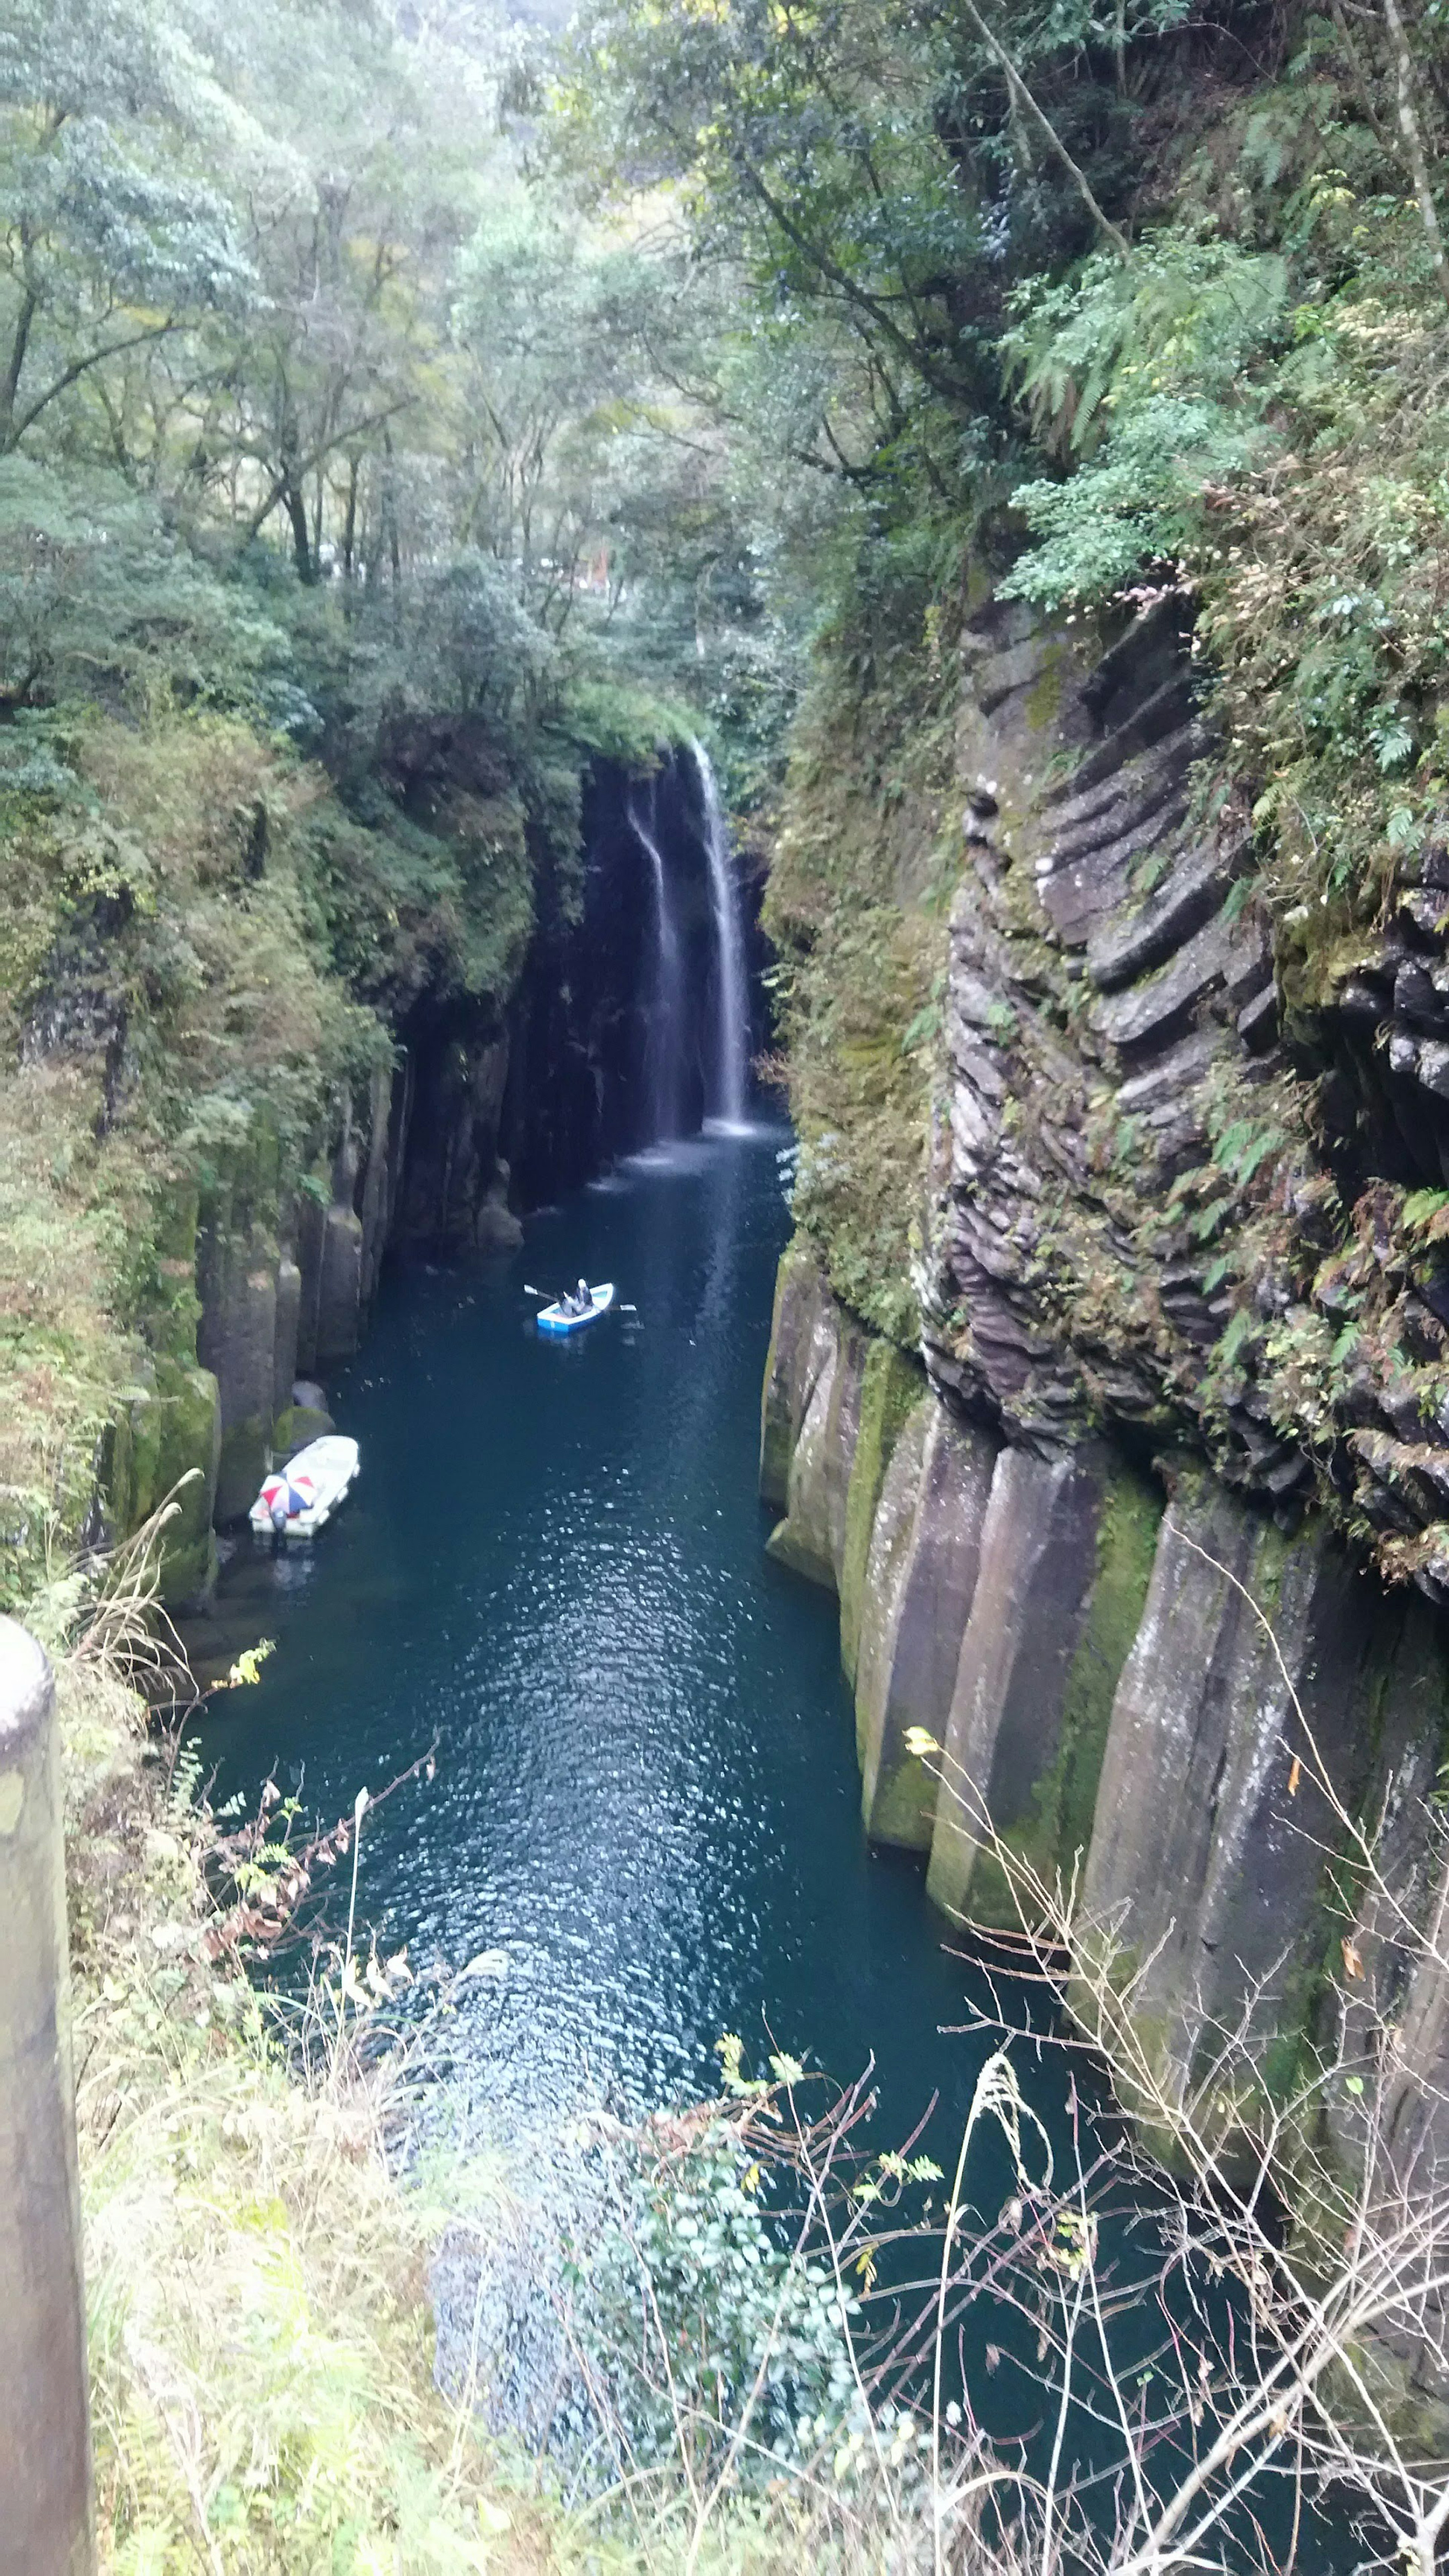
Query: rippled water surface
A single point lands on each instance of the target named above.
(646, 1793)
(646, 1798)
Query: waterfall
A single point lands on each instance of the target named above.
(666, 1016)
(731, 1001)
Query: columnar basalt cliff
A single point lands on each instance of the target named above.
(1180, 1363)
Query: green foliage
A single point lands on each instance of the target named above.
(112, 239)
(1244, 409)
(249, 2257)
(737, 2340)
(1144, 369)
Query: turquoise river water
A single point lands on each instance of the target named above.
(646, 1804)
(646, 1796)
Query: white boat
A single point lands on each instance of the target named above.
(557, 1319)
(299, 1499)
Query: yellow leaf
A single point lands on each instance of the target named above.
(1295, 1774)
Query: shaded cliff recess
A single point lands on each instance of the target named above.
(454, 1022)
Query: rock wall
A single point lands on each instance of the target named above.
(1188, 1159)
(1079, 1633)
(1149, 1538)
(269, 1281)
(1181, 1354)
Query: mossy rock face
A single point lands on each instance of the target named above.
(294, 1428)
(1212, 1841)
(173, 1307)
(812, 1536)
(920, 1584)
(339, 1304)
(1066, 1555)
(787, 1548)
(288, 1313)
(163, 1436)
(244, 1451)
(238, 1340)
(800, 1295)
(890, 1387)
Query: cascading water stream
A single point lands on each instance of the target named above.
(731, 998)
(666, 1015)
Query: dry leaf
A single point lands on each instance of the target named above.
(1295, 1774)
(1351, 1960)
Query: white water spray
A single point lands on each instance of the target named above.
(668, 990)
(730, 997)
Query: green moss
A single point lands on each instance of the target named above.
(172, 1309)
(1044, 697)
(903, 1810)
(778, 1425)
(1059, 1825)
(169, 1431)
(245, 1447)
(866, 854)
(296, 1426)
(890, 1389)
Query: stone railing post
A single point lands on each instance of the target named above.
(46, 2511)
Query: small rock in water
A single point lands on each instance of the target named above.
(488, 1963)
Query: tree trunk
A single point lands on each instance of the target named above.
(301, 540)
(349, 524)
(1413, 136)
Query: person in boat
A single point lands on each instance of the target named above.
(582, 1298)
(286, 1504)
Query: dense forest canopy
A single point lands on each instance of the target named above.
(492, 361)
(284, 316)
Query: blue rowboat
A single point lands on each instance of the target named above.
(552, 1319)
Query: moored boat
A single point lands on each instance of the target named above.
(299, 1499)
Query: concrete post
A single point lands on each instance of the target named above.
(46, 2512)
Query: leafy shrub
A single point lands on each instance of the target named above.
(704, 2337)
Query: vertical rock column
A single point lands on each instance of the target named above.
(238, 1342)
(890, 1387)
(1208, 1879)
(811, 1538)
(792, 1366)
(925, 1549)
(168, 1438)
(288, 1325)
(1065, 1555)
(339, 1287)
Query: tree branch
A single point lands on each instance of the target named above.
(12, 431)
(304, 464)
(1024, 98)
(1412, 133)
